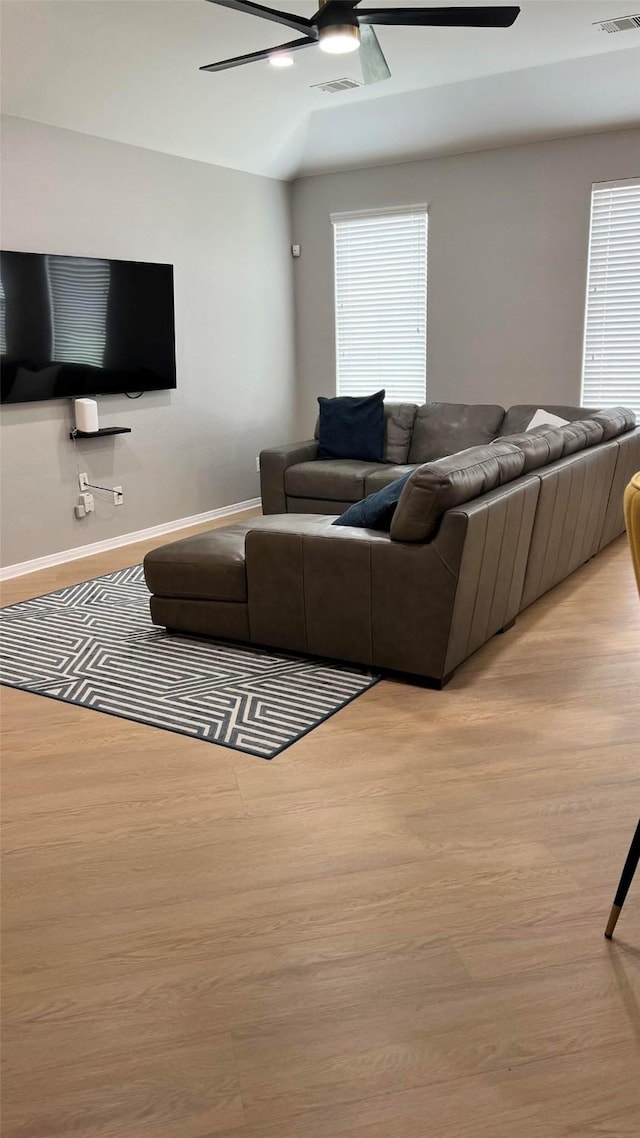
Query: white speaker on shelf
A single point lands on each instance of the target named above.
(86, 412)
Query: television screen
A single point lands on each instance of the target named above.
(74, 326)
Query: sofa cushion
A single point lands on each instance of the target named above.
(385, 475)
(352, 427)
(446, 428)
(518, 417)
(376, 510)
(313, 506)
(207, 566)
(575, 438)
(615, 421)
(593, 430)
(438, 486)
(336, 479)
(399, 420)
(540, 446)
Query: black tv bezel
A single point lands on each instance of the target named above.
(126, 390)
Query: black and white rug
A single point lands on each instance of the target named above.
(93, 644)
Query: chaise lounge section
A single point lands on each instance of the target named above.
(476, 537)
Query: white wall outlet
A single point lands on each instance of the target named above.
(83, 481)
(118, 495)
(258, 464)
(86, 500)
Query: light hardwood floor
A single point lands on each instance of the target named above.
(393, 930)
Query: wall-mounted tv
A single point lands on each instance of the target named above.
(73, 326)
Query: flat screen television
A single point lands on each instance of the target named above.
(77, 326)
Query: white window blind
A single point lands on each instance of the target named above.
(381, 304)
(611, 367)
(79, 297)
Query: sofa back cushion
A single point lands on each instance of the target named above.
(446, 428)
(615, 421)
(398, 426)
(539, 446)
(518, 417)
(580, 435)
(438, 486)
(543, 445)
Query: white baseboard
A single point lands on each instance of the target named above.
(126, 539)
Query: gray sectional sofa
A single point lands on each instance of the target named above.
(294, 480)
(476, 537)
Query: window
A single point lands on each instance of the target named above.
(611, 366)
(381, 303)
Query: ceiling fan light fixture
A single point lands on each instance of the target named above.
(336, 29)
(279, 59)
(339, 39)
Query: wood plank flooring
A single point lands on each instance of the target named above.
(393, 930)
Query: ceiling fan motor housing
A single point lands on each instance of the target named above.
(338, 14)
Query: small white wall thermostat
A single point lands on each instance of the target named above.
(296, 250)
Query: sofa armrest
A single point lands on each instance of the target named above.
(486, 541)
(273, 463)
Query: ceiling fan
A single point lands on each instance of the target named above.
(338, 28)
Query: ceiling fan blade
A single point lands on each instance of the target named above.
(374, 65)
(440, 17)
(298, 23)
(334, 9)
(254, 56)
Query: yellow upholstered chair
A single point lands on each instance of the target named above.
(632, 520)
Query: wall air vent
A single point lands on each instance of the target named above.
(623, 24)
(337, 85)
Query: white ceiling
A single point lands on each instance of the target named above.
(128, 70)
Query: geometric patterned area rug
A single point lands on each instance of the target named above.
(93, 644)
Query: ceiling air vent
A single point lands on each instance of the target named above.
(337, 85)
(623, 24)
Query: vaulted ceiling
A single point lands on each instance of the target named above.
(128, 70)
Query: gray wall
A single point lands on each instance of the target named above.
(190, 450)
(508, 243)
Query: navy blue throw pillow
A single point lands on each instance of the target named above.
(351, 427)
(376, 511)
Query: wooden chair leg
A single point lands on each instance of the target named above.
(630, 867)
